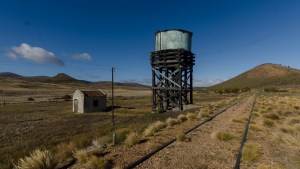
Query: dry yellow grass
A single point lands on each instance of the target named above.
(82, 156)
(268, 167)
(191, 116)
(98, 163)
(39, 159)
(250, 152)
(171, 121)
(132, 139)
(153, 128)
(64, 151)
(222, 136)
(181, 118)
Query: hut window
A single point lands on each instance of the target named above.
(96, 103)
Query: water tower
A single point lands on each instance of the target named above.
(172, 69)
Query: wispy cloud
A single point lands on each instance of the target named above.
(35, 54)
(80, 56)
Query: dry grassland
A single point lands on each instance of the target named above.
(275, 130)
(52, 125)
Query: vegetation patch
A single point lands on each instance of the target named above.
(153, 128)
(98, 163)
(268, 123)
(182, 137)
(191, 116)
(171, 121)
(222, 136)
(64, 151)
(237, 121)
(202, 115)
(132, 139)
(255, 128)
(250, 153)
(271, 116)
(39, 159)
(181, 118)
(82, 156)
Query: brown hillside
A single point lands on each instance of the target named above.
(262, 76)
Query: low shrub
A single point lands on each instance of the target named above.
(222, 136)
(155, 127)
(191, 116)
(181, 118)
(81, 142)
(271, 116)
(182, 137)
(171, 121)
(159, 125)
(38, 159)
(237, 121)
(202, 115)
(270, 89)
(82, 156)
(255, 128)
(98, 163)
(268, 123)
(30, 99)
(132, 139)
(64, 151)
(250, 152)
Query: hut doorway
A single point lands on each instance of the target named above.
(75, 105)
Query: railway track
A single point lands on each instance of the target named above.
(162, 147)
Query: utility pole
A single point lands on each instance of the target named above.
(112, 105)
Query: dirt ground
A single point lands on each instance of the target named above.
(203, 151)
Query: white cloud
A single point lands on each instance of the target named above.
(82, 56)
(11, 54)
(35, 54)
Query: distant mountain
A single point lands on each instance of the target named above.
(64, 78)
(9, 74)
(262, 76)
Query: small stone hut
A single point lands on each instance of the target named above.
(89, 101)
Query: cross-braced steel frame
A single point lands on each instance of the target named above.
(172, 78)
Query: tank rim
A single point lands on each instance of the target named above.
(181, 30)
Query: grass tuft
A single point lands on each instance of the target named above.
(191, 116)
(132, 139)
(171, 121)
(98, 163)
(39, 159)
(82, 156)
(181, 118)
(153, 128)
(222, 136)
(255, 128)
(182, 137)
(202, 115)
(64, 151)
(250, 152)
(271, 116)
(268, 123)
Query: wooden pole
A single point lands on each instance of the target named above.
(112, 106)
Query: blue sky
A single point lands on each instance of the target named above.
(85, 38)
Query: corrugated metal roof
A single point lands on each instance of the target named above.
(93, 93)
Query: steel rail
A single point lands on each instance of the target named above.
(147, 156)
(238, 159)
